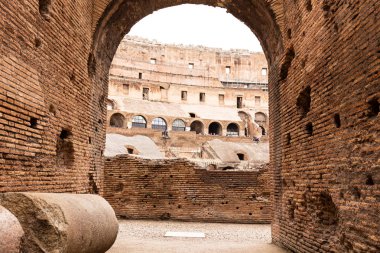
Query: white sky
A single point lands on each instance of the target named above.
(190, 24)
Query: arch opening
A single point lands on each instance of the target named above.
(233, 129)
(114, 30)
(197, 127)
(115, 23)
(117, 120)
(138, 122)
(179, 125)
(159, 123)
(215, 128)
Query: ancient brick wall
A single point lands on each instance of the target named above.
(325, 158)
(325, 148)
(177, 189)
(48, 140)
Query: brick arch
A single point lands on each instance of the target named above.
(120, 15)
(231, 127)
(161, 125)
(198, 126)
(139, 124)
(211, 128)
(117, 120)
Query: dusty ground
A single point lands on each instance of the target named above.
(148, 236)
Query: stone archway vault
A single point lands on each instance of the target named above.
(263, 17)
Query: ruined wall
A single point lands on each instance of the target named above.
(325, 158)
(177, 189)
(176, 64)
(178, 139)
(48, 140)
(180, 75)
(325, 124)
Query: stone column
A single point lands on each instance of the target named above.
(70, 223)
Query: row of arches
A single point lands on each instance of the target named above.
(139, 121)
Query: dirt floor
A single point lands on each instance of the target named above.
(148, 236)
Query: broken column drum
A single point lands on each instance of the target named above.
(69, 223)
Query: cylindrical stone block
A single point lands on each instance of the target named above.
(10, 232)
(60, 222)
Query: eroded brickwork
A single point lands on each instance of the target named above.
(177, 189)
(46, 98)
(325, 161)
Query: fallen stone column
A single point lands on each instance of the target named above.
(69, 223)
(10, 232)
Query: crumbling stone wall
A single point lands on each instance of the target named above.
(176, 189)
(324, 153)
(54, 65)
(50, 137)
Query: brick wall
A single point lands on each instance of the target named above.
(177, 189)
(47, 104)
(331, 46)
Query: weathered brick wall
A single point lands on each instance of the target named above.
(177, 189)
(325, 148)
(331, 46)
(47, 121)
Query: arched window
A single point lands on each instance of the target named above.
(197, 127)
(179, 125)
(232, 130)
(138, 122)
(260, 118)
(117, 120)
(215, 129)
(159, 123)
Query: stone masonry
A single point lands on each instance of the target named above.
(324, 94)
(177, 189)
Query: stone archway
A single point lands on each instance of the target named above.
(117, 120)
(215, 128)
(197, 127)
(120, 15)
(48, 97)
(233, 129)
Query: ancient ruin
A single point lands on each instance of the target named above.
(185, 99)
(324, 94)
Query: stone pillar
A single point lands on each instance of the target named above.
(10, 232)
(70, 223)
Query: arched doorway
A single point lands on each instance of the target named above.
(159, 123)
(197, 127)
(233, 129)
(138, 122)
(117, 120)
(116, 22)
(260, 118)
(215, 128)
(179, 125)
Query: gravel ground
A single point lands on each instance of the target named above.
(148, 236)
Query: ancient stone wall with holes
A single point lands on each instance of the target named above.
(50, 138)
(177, 189)
(186, 65)
(325, 116)
(324, 97)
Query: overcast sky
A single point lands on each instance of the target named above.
(197, 25)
